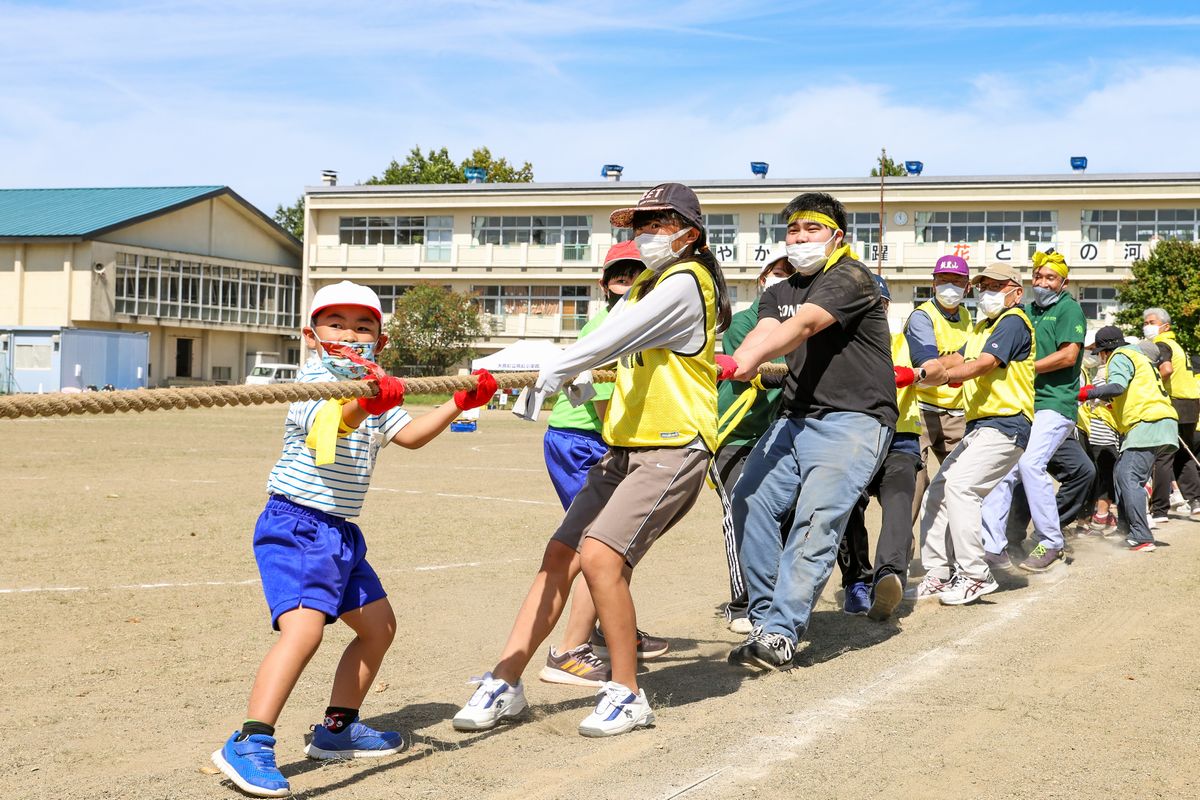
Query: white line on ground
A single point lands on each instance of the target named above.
(755, 756)
(465, 496)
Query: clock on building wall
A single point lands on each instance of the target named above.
(900, 218)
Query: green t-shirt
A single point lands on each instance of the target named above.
(1060, 324)
(584, 417)
(766, 405)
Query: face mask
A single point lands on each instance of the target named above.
(1045, 297)
(771, 280)
(344, 367)
(808, 257)
(656, 250)
(1150, 331)
(992, 303)
(949, 295)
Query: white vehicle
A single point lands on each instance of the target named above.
(273, 373)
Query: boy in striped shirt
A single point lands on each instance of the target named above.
(312, 558)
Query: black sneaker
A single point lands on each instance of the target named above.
(764, 651)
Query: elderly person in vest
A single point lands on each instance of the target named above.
(1185, 397)
(1146, 420)
(996, 369)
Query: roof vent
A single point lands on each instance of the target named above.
(475, 174)
(914, 167)
(611, 172)
(329, 177)
(1079, 163)
(759, 168)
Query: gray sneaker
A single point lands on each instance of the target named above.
(1001, 560)
(1041, 558)
(648, 646)
(576, 667)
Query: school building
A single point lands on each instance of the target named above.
(212, 281)
(531, 253)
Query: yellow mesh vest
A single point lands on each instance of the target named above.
(950, 336)
(1146, 399)
(1089, 412)
(906, 398)
(662, 398)
(1005, 391)
(1182, 383)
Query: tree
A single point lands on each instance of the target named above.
(1169, 278)
(438, 167)
(891, 169)
(431, 330)
(291, 218)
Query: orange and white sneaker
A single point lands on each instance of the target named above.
(576, 667)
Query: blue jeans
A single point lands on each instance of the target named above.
(819, 467)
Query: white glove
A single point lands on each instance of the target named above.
(529, 403)
(581, 389)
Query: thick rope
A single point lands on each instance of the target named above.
(61, 404)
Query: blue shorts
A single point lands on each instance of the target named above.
(570, 454)
(310, 559)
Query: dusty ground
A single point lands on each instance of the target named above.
(133, 623)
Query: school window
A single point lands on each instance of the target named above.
(771, 228)
(1098, 302)
(388, 295)
(622, 235)
(864, 227)
(991, 226)
(722, 235)
(572, 232)
(222, 374)
(568, 302)
(1141, 225)
(167, 288)
(33, 356)
(435, 233)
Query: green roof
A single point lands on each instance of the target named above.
(89, 212)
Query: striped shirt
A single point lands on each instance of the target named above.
(337, 488)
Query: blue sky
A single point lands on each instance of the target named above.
(264, 95)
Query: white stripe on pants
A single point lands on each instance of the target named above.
(1050, 430)
(952, 514)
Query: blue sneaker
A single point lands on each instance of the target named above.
(355, 741)
(858, 599)
(250, 764)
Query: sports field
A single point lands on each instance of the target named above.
(133, 623)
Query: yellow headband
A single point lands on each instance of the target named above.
(1054, 261)
(815, 216)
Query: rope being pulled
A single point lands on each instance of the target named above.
(61, 404)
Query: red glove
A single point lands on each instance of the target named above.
(1083, 393)
(480, 395)
(726, 366)
(905, 376)
(391, 394)
(955, 385)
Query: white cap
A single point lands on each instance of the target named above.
(346, 294)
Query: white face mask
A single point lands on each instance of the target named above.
(1150, 331)
(656, 248)
(992, 303)
(949, 295)
(771, 280)
(809, 257)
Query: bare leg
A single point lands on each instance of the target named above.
(540, 612)
(604, 569)
(300, 632)
(375, 625)
(581, 619)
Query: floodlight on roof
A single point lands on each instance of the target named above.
(1079, 163)
(914, 167)
(759, 168)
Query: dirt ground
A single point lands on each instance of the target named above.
(133, 623)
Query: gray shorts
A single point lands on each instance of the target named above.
(632, 496)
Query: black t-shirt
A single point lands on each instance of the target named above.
(847, 366)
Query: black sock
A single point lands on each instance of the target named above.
(253, 726)
(337, 719)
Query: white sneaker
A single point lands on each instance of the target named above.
(930, 588)
(741, 625)
(1177, 501)
(493, 701)
(618, 711)
(966, 590)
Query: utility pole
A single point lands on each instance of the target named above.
(882, 172)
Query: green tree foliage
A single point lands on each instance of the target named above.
(436, 166)
(291, 218)
(891, 169)
(1169, 278)
(431, 331)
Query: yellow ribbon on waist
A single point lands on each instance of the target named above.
(327, 428)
